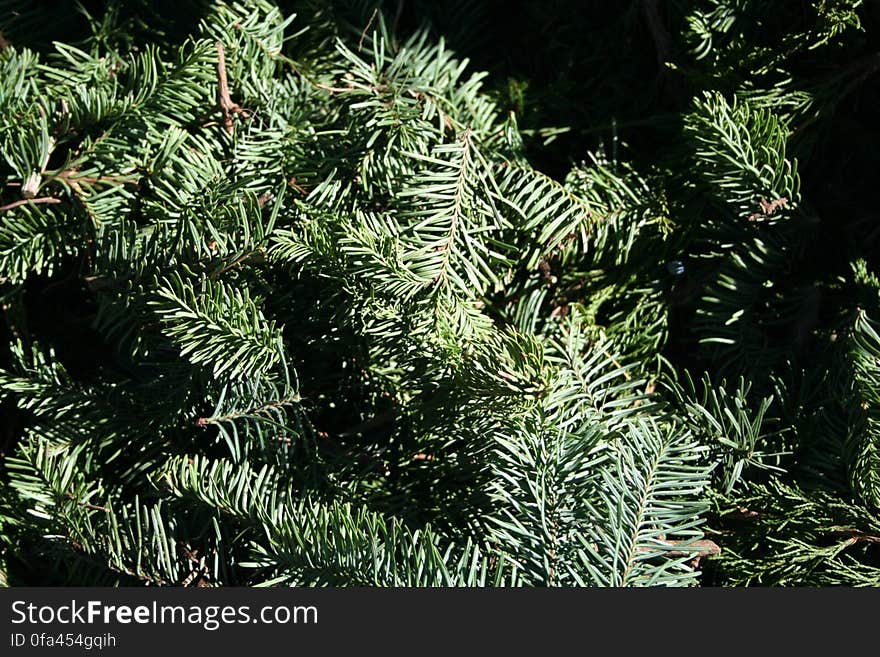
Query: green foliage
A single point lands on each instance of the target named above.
(439, 293)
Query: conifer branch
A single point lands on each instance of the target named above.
(47, 200)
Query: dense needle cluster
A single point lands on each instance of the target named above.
(294, 294)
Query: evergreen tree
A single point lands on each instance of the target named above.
(294, 293)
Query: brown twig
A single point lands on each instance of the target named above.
(200, 575)
(364, 33)
(617, 364)
(99, 283)
(25, 201)
(698, 549)
(768, 208)
(292, 182)
(87, 505)
(227, 106)
(705, 548)
(235, 263)
(853, 536)
(70, 177)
